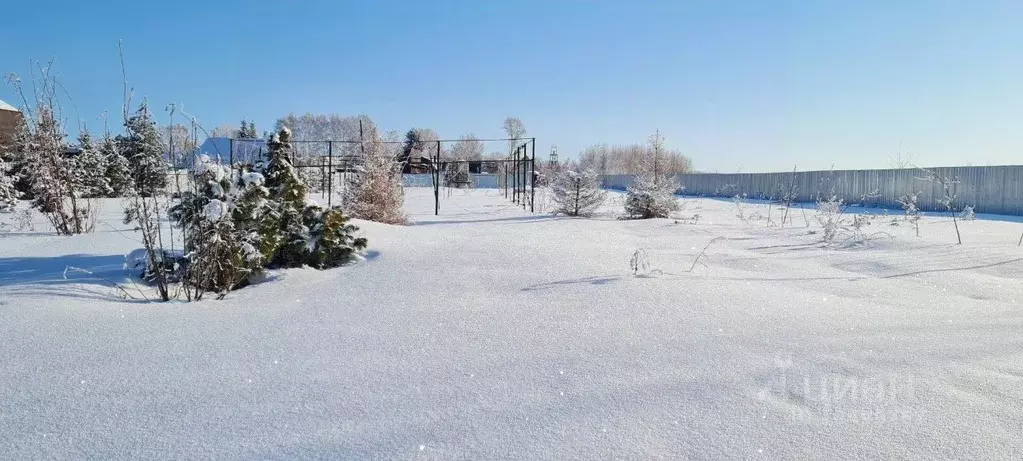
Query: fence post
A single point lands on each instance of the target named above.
(323, 178)
(515, 176)
(330, 172)
(525, 164)
(436, 183)
(532, 179)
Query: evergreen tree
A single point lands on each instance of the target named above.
(43, 150)
(8, 193)
(218, 260)
(15, 157)
(117, 173)
(142, 147)
(247, 130)
(413, 143)
(250, 215)
(577, 194)
(294, 231)
(652, 195)
(90, 168)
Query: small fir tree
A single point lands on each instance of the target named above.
(8, 192)
(90, 168)
(117, 173)
(295, 231)
(217, 257)
(652, 195)
(143, 148)
(577, 194)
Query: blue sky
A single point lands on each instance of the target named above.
(737, 85)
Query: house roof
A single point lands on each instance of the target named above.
(245, 150)
(8, 107)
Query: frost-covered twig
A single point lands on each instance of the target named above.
(703, 253)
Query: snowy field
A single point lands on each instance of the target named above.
(490, 333)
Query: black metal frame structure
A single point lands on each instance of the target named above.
(522, 166)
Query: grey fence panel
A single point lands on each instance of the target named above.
(988, 189)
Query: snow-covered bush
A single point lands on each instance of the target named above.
(740, 206)
(858, 227)
(577, 194)
(233, 230)
(375, 191)
(834, 224)
(829, 216)
(652, 195)
(968, 214)
(216, 255)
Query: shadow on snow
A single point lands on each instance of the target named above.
(51, 270)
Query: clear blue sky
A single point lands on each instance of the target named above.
(756, 85)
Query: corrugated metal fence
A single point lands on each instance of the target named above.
(988, 189)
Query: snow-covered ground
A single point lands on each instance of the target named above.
(490, 333)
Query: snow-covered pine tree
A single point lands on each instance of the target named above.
(251, 205)
(577, 194)
(218, 260)
(375, 191)
(142, 147)
(332, 237)
(89, 168)
(117, 173)
(293, 230)
(282, 239)
(8, 193)
(652, 195)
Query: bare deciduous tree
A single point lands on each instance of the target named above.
(41, 143)
(950, 195)
(515, 131)
(629, 159)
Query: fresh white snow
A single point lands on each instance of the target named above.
(490, 333)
